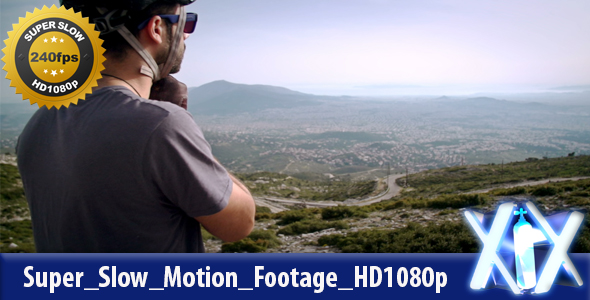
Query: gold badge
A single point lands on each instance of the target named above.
(53, 57)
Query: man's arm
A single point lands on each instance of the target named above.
(179, 142)
(236, 220)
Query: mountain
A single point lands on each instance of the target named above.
(572, 88)
(223, 97)
(497, 104)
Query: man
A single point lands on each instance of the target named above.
(118, 172)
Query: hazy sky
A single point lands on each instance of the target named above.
(383, 46)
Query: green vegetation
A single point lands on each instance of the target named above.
(308, 226)
(447, 237)
(291, 216)
(436, 192)
(341, 212)
(281, 185)
(14, 207)
(567, 190)
(442, 202)
(582, 240)
(262, 209)
(544, 190)
(518, 190)
(10, 184)
(263, 213)
(258, 241)
(466, 178)
(19, 233)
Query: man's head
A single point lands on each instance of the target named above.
(146, 21)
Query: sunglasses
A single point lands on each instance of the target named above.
(189, 26)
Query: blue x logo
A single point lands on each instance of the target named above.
(492, 241)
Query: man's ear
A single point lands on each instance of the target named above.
(154, 30)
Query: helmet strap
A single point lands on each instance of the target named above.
(153, 71)
(177, 37)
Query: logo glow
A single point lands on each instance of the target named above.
(525, 235)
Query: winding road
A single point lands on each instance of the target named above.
(278, 204)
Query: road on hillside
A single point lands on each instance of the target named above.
(276, 204)
(527, 183)
(392, 190)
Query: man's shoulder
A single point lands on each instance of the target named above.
(119, 104)
(122, 99)
(113, 109)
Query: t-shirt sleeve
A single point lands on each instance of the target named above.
(180, 164)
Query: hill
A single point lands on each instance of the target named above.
(424, 218)
(427, 217)
(223, 97)
(461, 179)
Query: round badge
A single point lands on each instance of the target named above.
(53, 57)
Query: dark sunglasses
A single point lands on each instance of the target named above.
(189, 26)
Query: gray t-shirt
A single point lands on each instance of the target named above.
(118, 173)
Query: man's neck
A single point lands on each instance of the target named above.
(126, 73)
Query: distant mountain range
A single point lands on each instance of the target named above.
(572, 88)
(485, 103)
(223, 97)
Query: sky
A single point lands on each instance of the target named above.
(382, 47)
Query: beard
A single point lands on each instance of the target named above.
(162, 56)
(177, 60)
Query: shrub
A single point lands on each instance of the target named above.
(267, 235)
(262, 209)
(21, 233)
(577, 201)
(291, 216)
(519, 190)
(582, 241)
(457, 201)
(395, 205)
(447, 237)
(9, 181)
(308, 226)
(257, 241)
(544, 190)
(245, 245)
(12, 193)
(580, 194)
(263, 216)
(569, 187)
(446, 212)
(465, 186)
(341, 212)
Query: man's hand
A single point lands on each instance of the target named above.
(171, 90)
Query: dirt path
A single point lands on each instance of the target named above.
(286, 167)
(527, 183)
